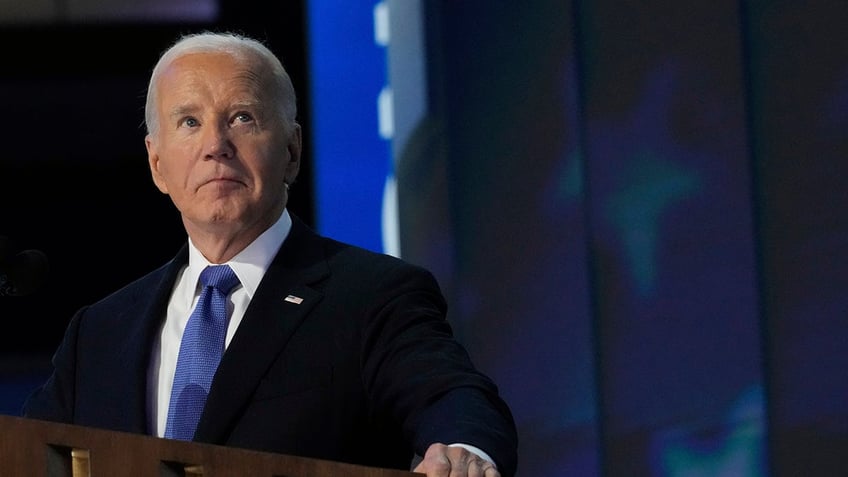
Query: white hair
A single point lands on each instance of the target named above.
(232, 44)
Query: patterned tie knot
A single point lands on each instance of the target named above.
(221, 277)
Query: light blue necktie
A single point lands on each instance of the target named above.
(200, 352)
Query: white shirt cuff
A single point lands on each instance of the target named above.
(475, 451)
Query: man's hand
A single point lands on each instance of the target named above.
(443, 461)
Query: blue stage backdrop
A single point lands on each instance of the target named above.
(350, 158)
(637, 210)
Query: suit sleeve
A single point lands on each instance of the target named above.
(415, 367)
(54, 400)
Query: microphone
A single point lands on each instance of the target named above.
(22, 273)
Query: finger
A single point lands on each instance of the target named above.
(443, 461)
(476, 467)
(489, 469)
(435, 462)
(465, 463)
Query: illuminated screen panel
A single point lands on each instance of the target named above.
(351, 160)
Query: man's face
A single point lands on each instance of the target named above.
(222, 150)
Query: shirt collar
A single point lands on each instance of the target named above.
(251, 263)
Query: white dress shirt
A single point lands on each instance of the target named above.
(249, 266)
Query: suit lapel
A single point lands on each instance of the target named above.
(280, 304)
(144, 321)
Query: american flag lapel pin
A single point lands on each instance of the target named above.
(294, 299)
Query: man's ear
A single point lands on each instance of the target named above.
(295, 148)
(153, 162)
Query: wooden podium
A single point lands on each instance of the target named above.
(34, 448)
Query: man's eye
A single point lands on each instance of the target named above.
(190, 122)
(243, 118)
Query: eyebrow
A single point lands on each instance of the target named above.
(251, 104)
(182, 110)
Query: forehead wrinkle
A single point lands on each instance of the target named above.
(254, 85)
(245, 88)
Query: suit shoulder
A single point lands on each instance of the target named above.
(355, 256)
(136, 289)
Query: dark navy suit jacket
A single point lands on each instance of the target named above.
(364, 369)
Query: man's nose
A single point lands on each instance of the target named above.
(217, 143)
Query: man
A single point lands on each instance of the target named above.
(331, 351)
